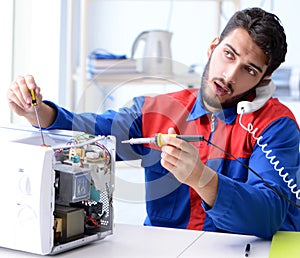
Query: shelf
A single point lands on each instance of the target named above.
(189, 79)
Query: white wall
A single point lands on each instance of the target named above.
(36, 45)
(36, 42)
(6, 25)
(113, 25)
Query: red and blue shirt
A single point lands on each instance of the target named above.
(244, 203)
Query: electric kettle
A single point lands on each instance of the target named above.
(157, 57)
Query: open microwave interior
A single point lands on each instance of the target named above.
(55, 197)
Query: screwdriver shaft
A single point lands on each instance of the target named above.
(34, 104)
(39, 124)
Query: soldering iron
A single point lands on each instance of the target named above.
(158, 139)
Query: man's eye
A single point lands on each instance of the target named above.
(228, 54)
(251, 71)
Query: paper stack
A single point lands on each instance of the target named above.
(124, 65)
(285, 244)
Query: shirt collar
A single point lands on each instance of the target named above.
(227, 115)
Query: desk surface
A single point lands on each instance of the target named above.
(140, 241)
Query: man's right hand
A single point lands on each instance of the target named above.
(19, 97)
(20, 101)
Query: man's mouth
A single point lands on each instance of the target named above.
(221, 89)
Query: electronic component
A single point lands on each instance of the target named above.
(72, 184)
(84, 180)
(69, 223)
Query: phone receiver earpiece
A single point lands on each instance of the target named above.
(263, 94)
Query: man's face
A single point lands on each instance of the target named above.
(235, 66)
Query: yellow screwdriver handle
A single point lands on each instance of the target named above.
(159, 138)
(33, 98)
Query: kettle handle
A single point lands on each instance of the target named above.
(141, 36)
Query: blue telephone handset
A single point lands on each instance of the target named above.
(263, 94)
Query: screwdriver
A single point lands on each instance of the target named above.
(34, 104)
(158, 139)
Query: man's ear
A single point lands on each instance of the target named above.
(267, 77)
(212, 46)
(265, 81)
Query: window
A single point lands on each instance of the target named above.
(6, 28)
(31, 46)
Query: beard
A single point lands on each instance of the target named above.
(212, 100)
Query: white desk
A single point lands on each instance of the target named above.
(220, 245)
(140, 241)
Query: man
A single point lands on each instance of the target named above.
(232, 181)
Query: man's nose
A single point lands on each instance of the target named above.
(230, 74)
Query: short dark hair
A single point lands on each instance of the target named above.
(266, 31)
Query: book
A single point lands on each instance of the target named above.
(111, 66)
(104, 63)
(285, 244)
